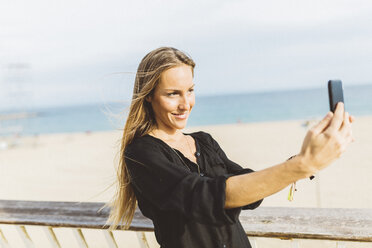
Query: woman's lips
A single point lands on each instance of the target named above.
(180, 116)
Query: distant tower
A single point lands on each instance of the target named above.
(16, 83)
(15, 99)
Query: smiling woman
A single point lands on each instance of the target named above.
(185, 183)
(178, 179)
(173, 98)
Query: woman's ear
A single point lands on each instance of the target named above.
(148, 98)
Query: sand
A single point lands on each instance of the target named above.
(81, 166)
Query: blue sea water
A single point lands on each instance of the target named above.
(208, 110)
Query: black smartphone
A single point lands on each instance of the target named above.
(335, 93)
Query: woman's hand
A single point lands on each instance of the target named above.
(326, 141)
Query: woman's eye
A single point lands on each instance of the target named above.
(176, 93)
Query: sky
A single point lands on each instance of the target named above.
(76, 51)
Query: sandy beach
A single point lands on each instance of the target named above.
(80, 167)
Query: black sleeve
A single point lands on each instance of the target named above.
(233, 168)
(170, 186)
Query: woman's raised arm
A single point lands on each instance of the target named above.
(324, 143)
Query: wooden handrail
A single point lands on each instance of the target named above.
(276, 222)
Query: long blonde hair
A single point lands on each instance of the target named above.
(140, 122)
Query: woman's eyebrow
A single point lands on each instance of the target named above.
(179, 89)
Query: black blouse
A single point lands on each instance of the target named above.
(187, 209)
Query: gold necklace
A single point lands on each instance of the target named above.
(188, 144)
(183, 162)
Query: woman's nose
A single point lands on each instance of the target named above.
(184, 103)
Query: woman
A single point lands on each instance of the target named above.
(184, 182)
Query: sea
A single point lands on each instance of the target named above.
(303, 104)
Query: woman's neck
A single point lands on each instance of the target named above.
(170, 136)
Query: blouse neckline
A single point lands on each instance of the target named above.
(197, 146)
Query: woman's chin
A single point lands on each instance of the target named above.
(180, 124)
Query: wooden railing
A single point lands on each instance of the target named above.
(283, 223)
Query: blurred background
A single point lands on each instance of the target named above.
(64, 64)
(67, 71)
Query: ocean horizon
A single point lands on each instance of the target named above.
(304, 104)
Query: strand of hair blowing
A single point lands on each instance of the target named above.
(140, 121)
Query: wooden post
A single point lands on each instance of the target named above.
(142, 240)
(25, 237)
(110, 239)
(253, 242)
(340, 244)
(52, 237)
(295, 243)
(3, 242)
(80, 237)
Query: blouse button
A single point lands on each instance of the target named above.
(202, 174)
(197, 154)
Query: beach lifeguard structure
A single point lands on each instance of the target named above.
(10, 133)
(14, 98)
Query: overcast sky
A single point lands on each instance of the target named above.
(66, 52)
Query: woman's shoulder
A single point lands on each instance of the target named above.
(143, 143)
(146, 142)
(201, 135)
(147, 150)
(205, 138)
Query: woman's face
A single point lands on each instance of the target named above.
(173, 98)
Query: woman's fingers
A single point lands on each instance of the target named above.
(323, 124)
(346, 126)
(346, 130)
(338, 118)
(351, 119)
(327, 140)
